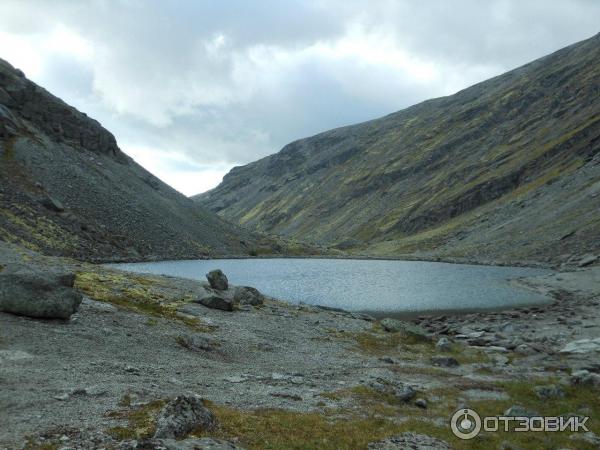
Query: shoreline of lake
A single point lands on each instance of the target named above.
(403, 257)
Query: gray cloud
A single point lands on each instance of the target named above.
(198, 86)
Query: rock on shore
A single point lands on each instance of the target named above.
(36, 293)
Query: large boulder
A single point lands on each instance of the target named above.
(196, 343)
(214, 299)
(405, 328)
(37, 293)
(247, 295)
(183, 415)
(217, 302)
(217, 280)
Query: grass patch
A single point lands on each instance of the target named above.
(578, 400)
(373, 403)
(141, 420)
(379, 342)
(279, 429)
(40, 231)
(125, 401)
(376, 418)
(32, 445)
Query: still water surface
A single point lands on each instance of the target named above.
(365, 285)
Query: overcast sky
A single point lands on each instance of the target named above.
(193, 88)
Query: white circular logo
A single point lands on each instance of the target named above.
(465, 424)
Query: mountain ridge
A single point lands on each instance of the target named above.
(383, 187)
(67, 189)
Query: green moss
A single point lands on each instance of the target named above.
(136, 293)
(279, 429)
(32, 445)
(122, 433)
(141, 421)
(9, 148)
(125, 401)
(40, 231)
(379, 342)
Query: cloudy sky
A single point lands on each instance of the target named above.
(193, 88)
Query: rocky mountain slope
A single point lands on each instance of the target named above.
(66, 188)
(506, 170)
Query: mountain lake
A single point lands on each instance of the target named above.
(374, 286)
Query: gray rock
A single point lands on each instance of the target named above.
(362, 316)
(444, 361)
(181, 416)
(495, 349)
(212, 298)
(588, 437)
(405, 393)
(14, 355)
(412, 441)
(524, 350)
(520, 411)
(196, 343)
(499, 360)
(401, 391)
(53, 204)
(35, 293)
(443, 345)
(217, 302)
(582, 346)
(550, 391)
(507, 327)
(405, 328)
(217, 280)
(587, 260)
(247, 295)
(236, 379)
(585, 378)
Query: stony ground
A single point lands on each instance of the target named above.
(289, 376)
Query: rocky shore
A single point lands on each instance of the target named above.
(151, 362)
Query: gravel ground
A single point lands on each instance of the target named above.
(70, 375)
